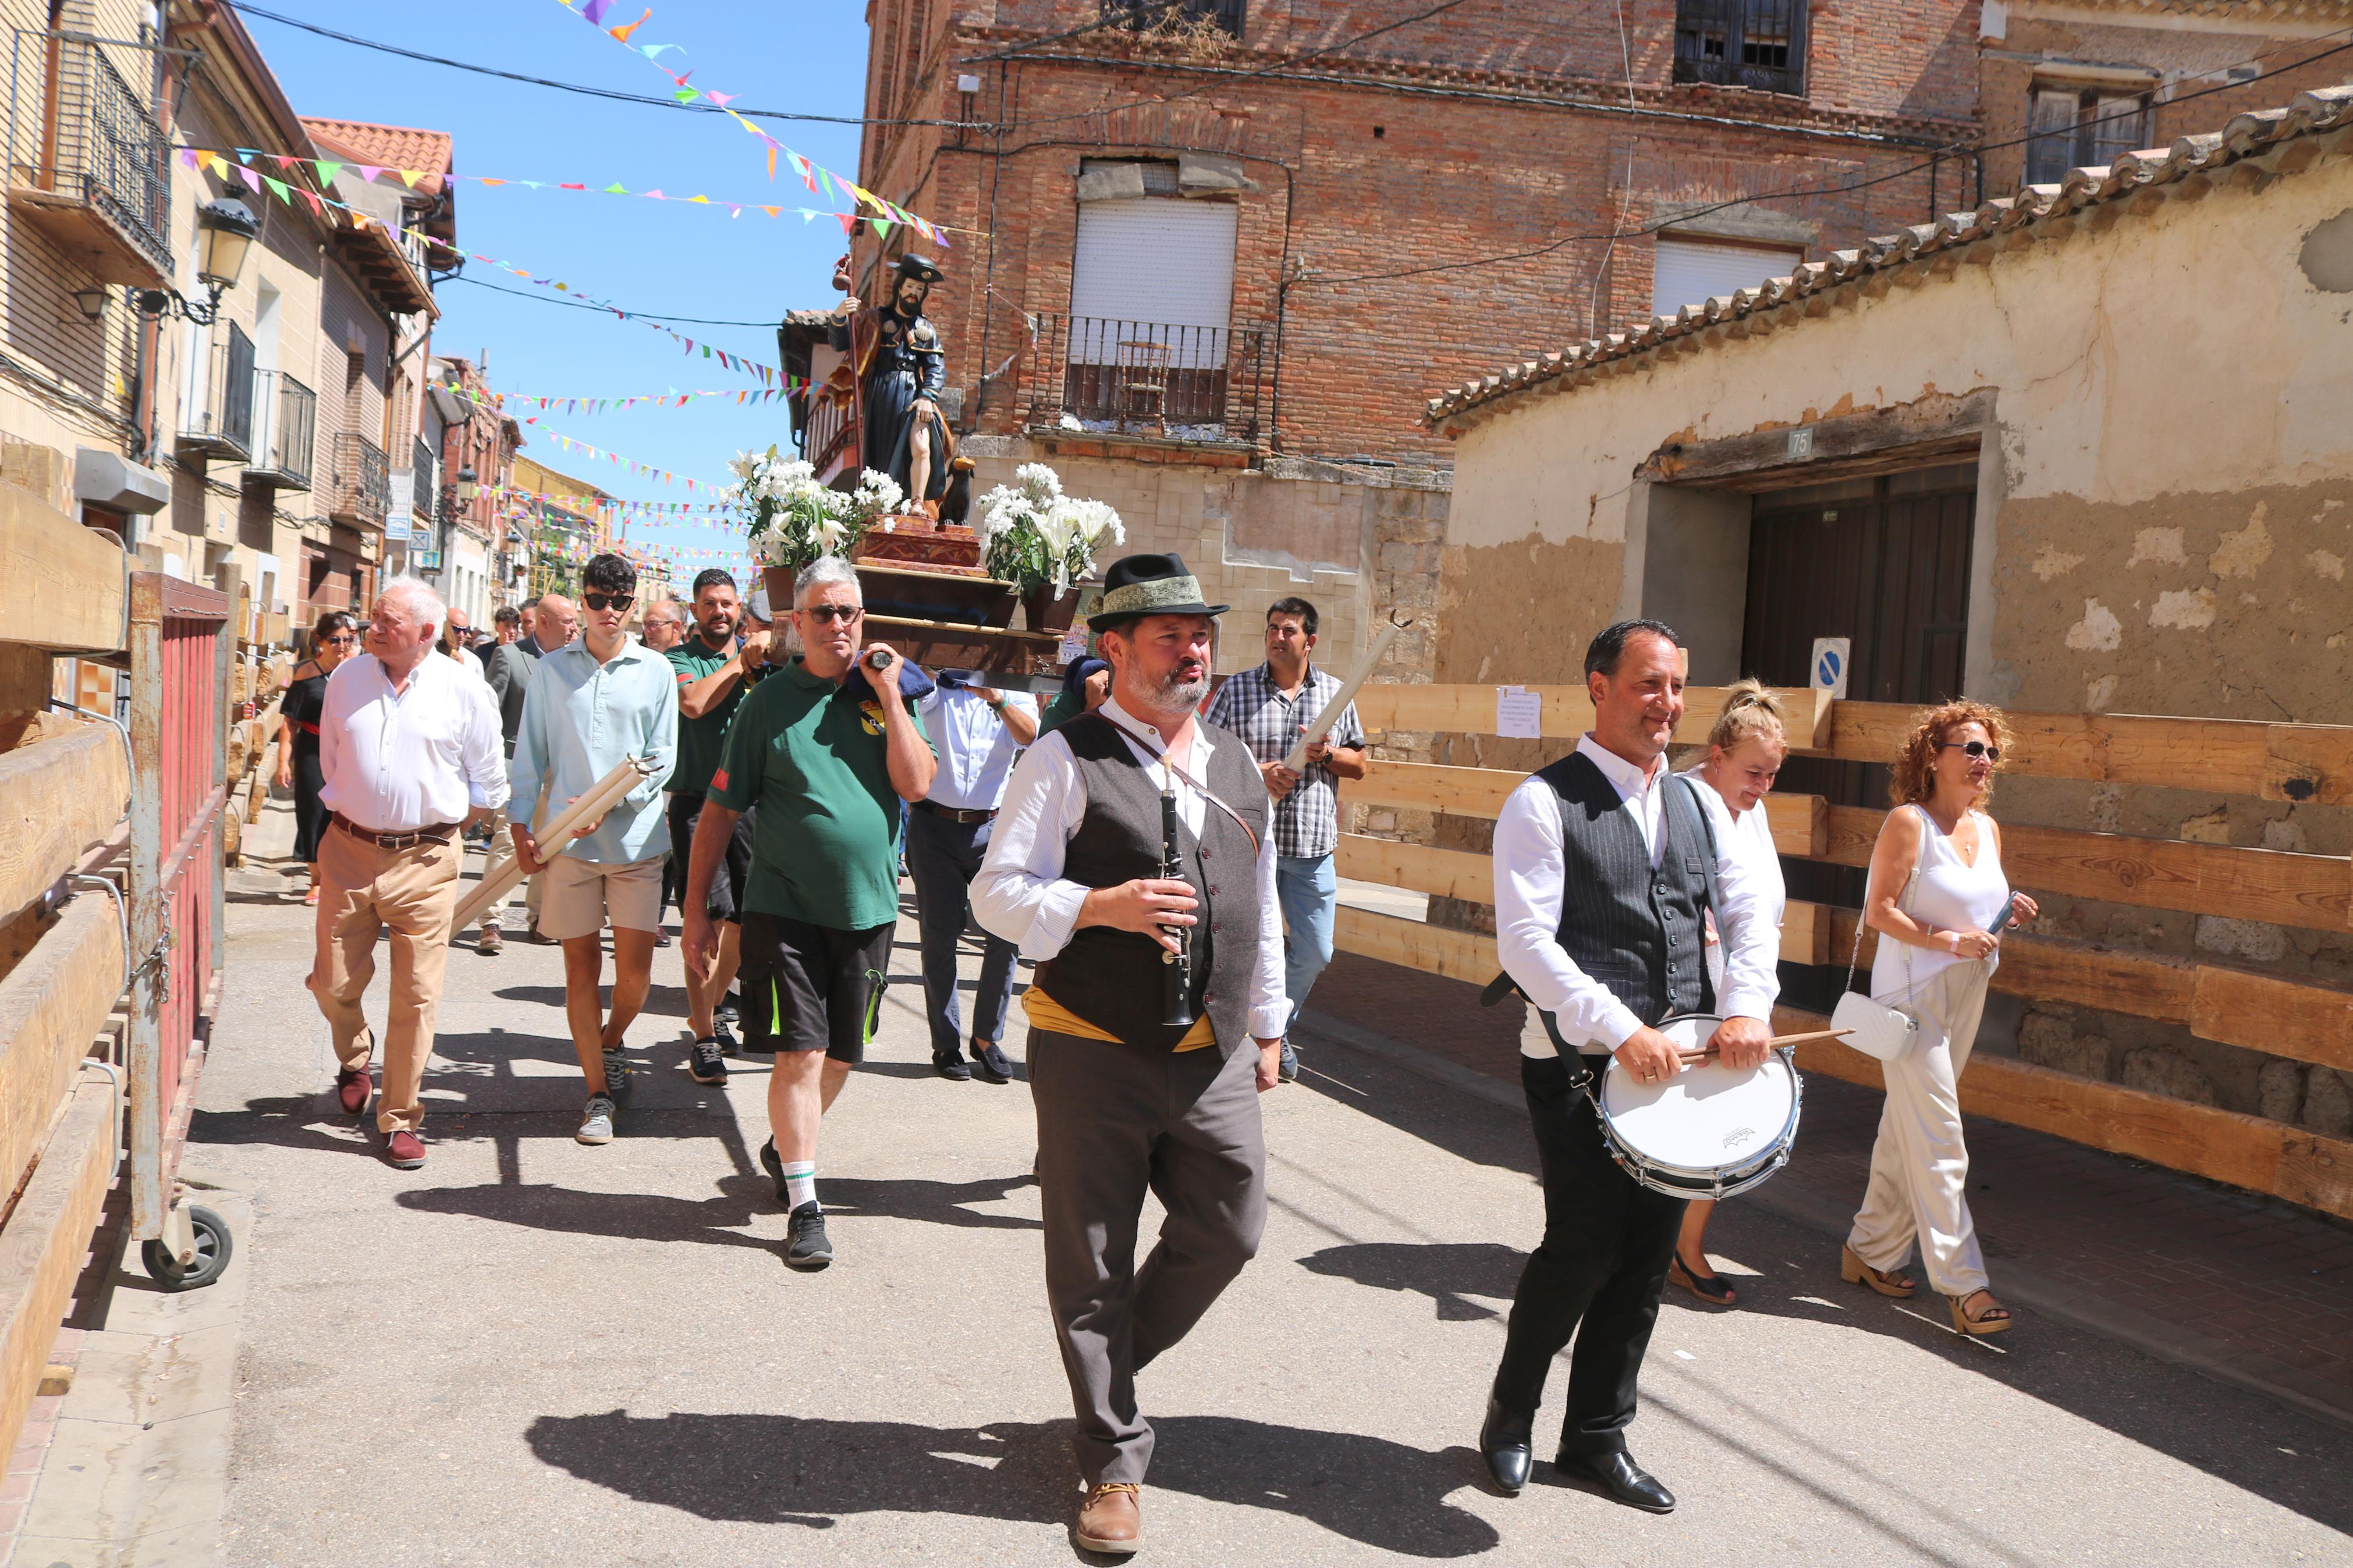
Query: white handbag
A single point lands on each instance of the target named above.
(1874, 1028)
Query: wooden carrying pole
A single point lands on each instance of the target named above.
(1323, 722)
(550, 839)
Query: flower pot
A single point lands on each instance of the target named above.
(1043, 611)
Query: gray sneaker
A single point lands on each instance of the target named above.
(597, 1122)
(617, 1074)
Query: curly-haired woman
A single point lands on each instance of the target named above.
(1936, 893)
(334, 639)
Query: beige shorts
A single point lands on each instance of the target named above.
(581, 893)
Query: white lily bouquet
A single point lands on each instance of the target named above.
(793, 520)
(1034, 536)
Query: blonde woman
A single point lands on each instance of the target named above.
(1935, 897)
(1744, 751)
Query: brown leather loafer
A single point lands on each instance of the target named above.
(354, 1090)
(403, 1151)
(1110, 1520)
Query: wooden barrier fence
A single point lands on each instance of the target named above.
(2278, 1014)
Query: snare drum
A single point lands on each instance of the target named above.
(1707, 1132)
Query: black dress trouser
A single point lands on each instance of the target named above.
(1597, 1275)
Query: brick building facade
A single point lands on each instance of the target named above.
(1504, 128)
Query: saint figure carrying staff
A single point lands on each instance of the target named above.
(901, 368)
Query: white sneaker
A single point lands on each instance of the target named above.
(597, 1121)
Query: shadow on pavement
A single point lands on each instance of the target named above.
(662, 1001)
(633, 1216)
(786, 1469)
(1449, 1273)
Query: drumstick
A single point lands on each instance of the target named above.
(1776, 1043)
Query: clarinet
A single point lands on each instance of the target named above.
(1176, 968)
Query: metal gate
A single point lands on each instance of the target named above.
(182, 645)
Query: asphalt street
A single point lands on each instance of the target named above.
(535, 1351)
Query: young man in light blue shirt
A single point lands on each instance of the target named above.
(593, 704)
(978, 732)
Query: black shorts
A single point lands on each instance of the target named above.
(734, 872)
(820, 987)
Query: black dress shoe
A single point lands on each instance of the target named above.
(990, 1064)
(951, 1068)
(1504, 1443)
(1619, 1477)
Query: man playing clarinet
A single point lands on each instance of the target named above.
(1155, 1015)
(1604, 869)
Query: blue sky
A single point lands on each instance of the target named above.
(804, 55)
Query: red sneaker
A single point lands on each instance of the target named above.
(403, 1151)
(354, 1088)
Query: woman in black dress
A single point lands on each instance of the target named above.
(334, 639)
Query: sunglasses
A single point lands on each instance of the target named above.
(1973, 749)
(343, 637)
(826, 615)
(608, 601)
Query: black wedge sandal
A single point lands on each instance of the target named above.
(1709, 1288)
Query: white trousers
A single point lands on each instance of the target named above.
(1919, 1166)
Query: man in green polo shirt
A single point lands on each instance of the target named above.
(826, 747)
(713, 674)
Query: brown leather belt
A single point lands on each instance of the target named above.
(441, 833)
(954, 812)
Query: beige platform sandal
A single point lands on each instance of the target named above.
(1891, 1283)
(1995, 1319)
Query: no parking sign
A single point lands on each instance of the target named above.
(1830, 665)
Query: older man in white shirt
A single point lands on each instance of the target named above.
(411, 752)
(1606, 869)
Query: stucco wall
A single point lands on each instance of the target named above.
(2169, 508)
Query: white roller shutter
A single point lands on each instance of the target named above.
(1153, 261)
(1692, 272)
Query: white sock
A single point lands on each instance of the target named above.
(800, 1183)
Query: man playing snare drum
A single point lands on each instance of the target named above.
(1602, 865)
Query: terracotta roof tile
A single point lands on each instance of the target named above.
(2246, 136)
(388, 146)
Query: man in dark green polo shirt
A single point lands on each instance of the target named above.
(713, 674)
(827, 747)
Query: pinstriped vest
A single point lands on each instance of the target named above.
(1636, 930)
(1112, 978)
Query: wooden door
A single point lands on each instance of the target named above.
(1883, 562)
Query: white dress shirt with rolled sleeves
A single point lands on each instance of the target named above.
(1020, 893)
(421, 757)
(1530, 867)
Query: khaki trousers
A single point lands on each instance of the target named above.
(412, 893)
(1920, 1166)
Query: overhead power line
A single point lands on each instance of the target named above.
(601, 309)
(613, 93)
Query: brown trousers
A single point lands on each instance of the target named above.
(412, 893)
(1116, 1121)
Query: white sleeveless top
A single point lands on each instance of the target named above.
(1748, 839)
(1948, 895)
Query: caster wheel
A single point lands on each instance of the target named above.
(214, 1247)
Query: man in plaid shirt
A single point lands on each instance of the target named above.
(1268, 708)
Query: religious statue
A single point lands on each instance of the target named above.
(901, 366)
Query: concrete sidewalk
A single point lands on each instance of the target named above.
(532, 1352)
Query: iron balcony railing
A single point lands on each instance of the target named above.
(360, 484)
(1144, 15)
(1759, 44)
(219, 420)
(286, 419)
(1188, 384)
(79, 135)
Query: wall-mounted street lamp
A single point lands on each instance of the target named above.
(224, 232)
(91, 303)
(468, 486)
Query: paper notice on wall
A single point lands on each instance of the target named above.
(1074, 644)
(1519, 713)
